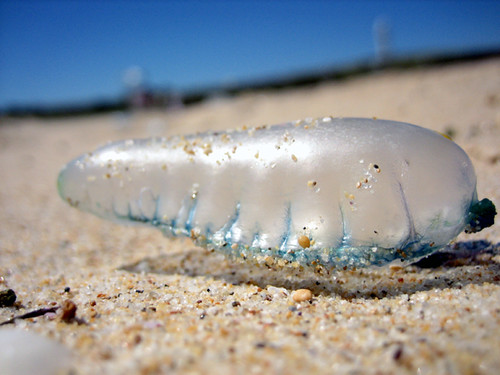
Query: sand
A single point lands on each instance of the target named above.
(151, 305)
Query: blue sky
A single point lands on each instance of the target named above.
(60, 52)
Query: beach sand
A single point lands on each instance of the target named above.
(151, 305)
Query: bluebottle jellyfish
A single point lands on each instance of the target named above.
(337, 192)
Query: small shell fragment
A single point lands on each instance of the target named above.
(302, 295)
(304, 241)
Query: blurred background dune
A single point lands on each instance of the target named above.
(59, 57)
